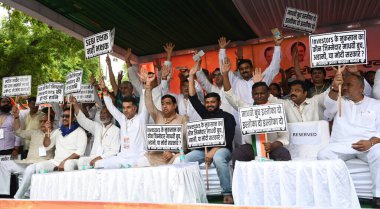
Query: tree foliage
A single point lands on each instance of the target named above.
(31, 47)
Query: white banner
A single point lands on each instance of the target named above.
(98, 44)
(73, 82)
(17, 86)
(206, 133)
(86, 94)
(340, 48)
(50, 93)
(300, 20)
(262, 119)
(164, 137)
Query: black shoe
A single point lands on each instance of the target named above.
(376, 202)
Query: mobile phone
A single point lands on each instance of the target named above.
(276, 34)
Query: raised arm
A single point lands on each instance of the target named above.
(274, 67)
(297, 68)
(192, 92)
(83, 121)
(223, 43)
(226, 67)
(330, 100)
(108, 101)
(112, 76)
(134, 78)
(152, 109)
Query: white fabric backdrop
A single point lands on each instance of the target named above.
(294, 183)
(180, 183)
(5, 181)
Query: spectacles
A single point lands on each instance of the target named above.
(217, 74)
(65, 116)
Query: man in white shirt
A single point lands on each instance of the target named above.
(356, 132)
(106, 136)
(242, 86)
(132, 132)
(69, 142)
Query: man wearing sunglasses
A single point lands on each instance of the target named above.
(106, 136)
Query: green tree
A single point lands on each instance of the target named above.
(31, 47)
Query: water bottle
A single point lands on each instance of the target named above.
(181, 155)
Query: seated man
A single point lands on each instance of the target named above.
(221, 156)
(36, 141)
(106, 136)
(168, 115)
(69, 142)
(277, 140)
(355, 134)
(132, 132)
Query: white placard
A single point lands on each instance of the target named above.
(17, 86)
(206, 133)
(73, 82)
(262, 119)
(1, 133)
(340, 48)
(306, 139)
(98, 44)
(86, 94)
(164, 137)
(305, 133)
(300, 20)
(50, 93)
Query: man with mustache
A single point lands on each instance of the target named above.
(298, 109)
(260, 95)
(27, 167)
(168, 115)
(242, 86)
(106, 136)
(69, 142)
(132, 132)
(219, 155)
(9, 142)
(356, 132)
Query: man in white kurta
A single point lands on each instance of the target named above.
(106, 137)
(242, 85)
(36, 138)
(356, 133)
(69, 142)
(132, 133)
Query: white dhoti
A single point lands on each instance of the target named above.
(115, 162)
(344, 152)
(41, 167)
(6, 169)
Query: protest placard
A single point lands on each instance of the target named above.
(205, 133)
(300, 20)
(306, 139)
(86, 94)
(164, 137)
(262, 119)
(98, 44)
(73, 82)
(340, 48)
(50, 93)
(17, 86)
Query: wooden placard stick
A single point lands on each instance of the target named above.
(208, 187)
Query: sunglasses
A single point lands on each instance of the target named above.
(65, 116)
